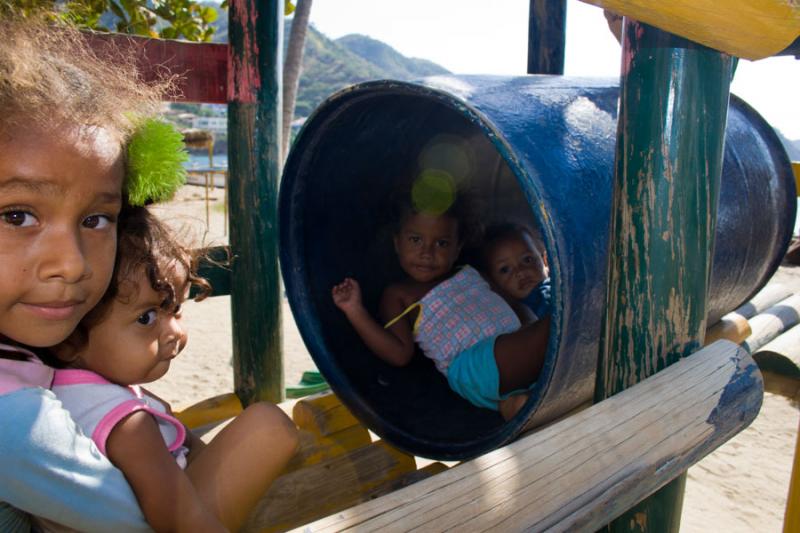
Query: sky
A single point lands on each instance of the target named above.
(491, 36)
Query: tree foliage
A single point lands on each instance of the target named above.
(168, 19)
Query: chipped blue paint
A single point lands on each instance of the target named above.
(745, 389)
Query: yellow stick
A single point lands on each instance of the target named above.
(791, 521)
(752, 29)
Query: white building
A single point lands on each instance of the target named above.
(216, 125)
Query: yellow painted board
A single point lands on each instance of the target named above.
(211, 410)
(791, 521)
(796, 168)
(314, 449)
(752, 29)
(322, 414)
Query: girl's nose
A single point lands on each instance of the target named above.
(63, 258)
(175, 332)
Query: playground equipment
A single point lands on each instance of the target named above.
(677, 324)
(551, 166)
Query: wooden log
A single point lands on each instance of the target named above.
(583, 471)
(254, 165)
(779, 362)
(314, 449)
(209, 411)
(752, 29)
(733, 327)
(771, 294)
(326, 487)
(547, 24)
(791, 519)
(772, 322)
(323, 414)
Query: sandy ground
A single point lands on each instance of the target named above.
(741, 487)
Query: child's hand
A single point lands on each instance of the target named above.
(347, 295)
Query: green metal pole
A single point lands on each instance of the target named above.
(673, 109)
(254, 111)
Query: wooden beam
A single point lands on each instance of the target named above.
(202, 67)
(254, 165)
(663, 215)
(578, 473)
(772, 322)
(771, 294)
(752, 29)
(547, 29)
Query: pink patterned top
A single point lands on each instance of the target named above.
(456, 314)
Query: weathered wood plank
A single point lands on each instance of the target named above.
(326, 487)
(779, 362)
(752, 29)
(771, 294)
(580, 472)
(202, 67)
(772, 322)
(323, 414)
(315, 449)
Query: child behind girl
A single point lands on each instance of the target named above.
(470, 332)
(66, 119)
(129, 338)
(513, 259)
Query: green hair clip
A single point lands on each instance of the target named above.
(156, 154)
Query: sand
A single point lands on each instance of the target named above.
(740, 487)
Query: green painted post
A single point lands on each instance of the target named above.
(673, 109)
(547, 36)
(254, 110)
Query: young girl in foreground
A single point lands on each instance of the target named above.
(470, 332)
(129, 338)
(64, 125)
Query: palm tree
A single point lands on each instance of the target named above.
(292, 67)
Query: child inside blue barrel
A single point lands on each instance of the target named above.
(514, 261)
(470, 332)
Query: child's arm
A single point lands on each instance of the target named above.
(394, 345)
(165, 493)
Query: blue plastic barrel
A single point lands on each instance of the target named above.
(536, 148)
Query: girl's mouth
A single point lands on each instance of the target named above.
(59, 310)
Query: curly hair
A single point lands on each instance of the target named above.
(145, 244)
(50, 75)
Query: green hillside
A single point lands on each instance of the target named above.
(332, 65)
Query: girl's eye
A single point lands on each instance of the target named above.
(147, 318)
(443, 243)
(97, 221)
(415, 239)
(527, 259)
(504, 270)
(20, 219)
